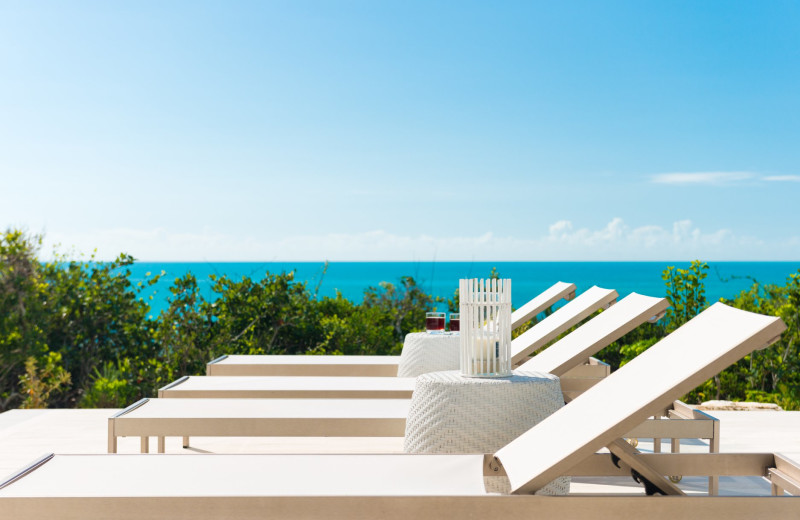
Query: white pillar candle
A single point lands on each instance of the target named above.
(486, 353)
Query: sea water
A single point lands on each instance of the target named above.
(725, 279)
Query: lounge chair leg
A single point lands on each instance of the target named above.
(112, 443)
(713, 486)
(185, 441)
(675, 447)
(657, 442)
(112, 437)
(145, 445)
(713, 447)
(162, 445)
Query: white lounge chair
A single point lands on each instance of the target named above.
(334, 416)
(354, 365)
(380, 387)
(432, 486)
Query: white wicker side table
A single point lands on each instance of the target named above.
(455, 414)
(423, 353)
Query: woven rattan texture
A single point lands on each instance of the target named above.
(455, 414)
(423, 353)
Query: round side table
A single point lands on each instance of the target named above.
(424, 352)
(451, 413)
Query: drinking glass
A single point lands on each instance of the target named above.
(434, 321)
(455, 322)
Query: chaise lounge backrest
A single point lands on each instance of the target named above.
(551, 295)
(585, 341)
(571, 314)
(709, 343)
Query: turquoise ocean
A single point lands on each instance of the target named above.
(725, 279)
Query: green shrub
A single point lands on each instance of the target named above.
(111, 387)
(78, 332)
(42, 378)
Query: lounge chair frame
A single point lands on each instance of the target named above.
(363, 365)
(381, 387)
(574, 381)
(687, 423)
(782, 473)
(279, 425)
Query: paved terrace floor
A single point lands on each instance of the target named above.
(27, 434)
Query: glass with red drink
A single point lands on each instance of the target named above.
(455, 322)
(434, 321)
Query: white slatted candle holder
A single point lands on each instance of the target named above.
(485, 327)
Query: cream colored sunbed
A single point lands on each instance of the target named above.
(380, 387)
(378, 366)
(257, 418)
(357, 417)
(433, 486)
(564, 359)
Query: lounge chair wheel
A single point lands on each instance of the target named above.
(676, 478)
(633, 442)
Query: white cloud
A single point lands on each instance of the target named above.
(616, 240)
(718, 178)
(782, 178)
(701, 177)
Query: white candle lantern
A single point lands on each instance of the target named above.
(485, 327)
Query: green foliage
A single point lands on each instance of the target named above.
(355, 329)
(773, 374)
(21, 332)
(685, 292)
(42, 378)
(92, 312)
(631, 350)
(111, 387)
(403, 305)
(78, 332)
(83, 328)
(770, 375)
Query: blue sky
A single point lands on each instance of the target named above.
(403, 130)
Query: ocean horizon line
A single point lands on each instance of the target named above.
(138, 260)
